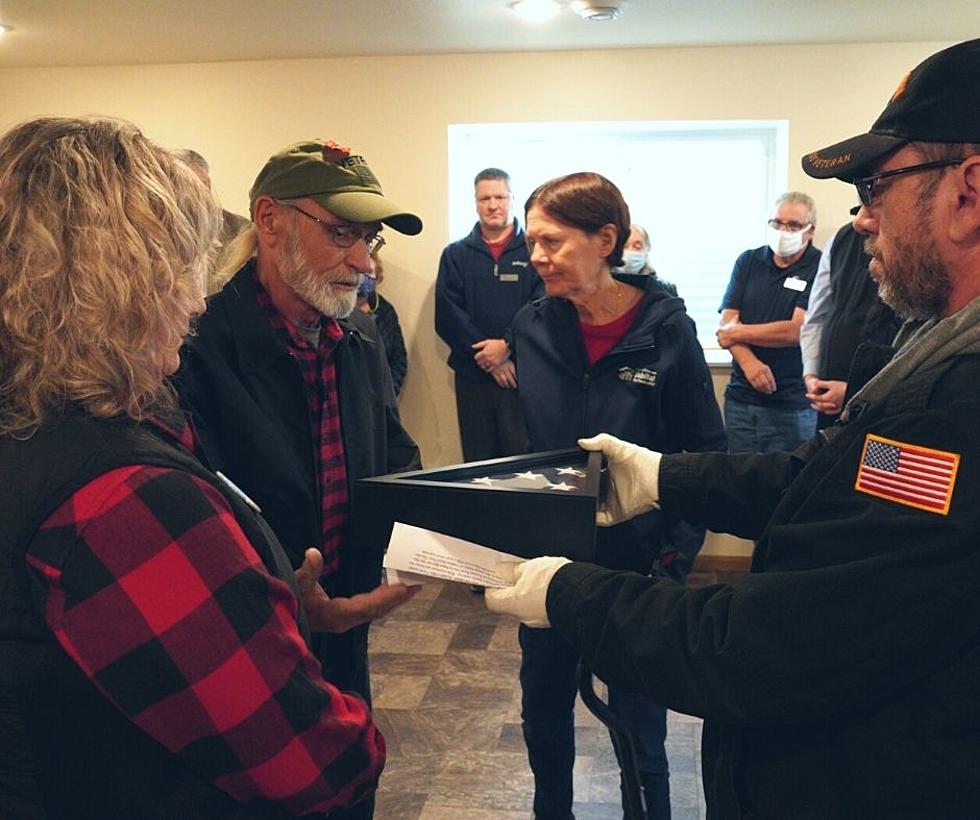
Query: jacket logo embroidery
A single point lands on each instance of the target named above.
(907, 474)
(647, 378)
(518, 264)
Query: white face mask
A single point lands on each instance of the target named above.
(785, 243)
(634, 261)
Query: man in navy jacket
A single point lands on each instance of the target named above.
(484, 279)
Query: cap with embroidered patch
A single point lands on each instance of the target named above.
(935, 102)
(339, 181)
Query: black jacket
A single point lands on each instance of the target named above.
(476, 297)
(65, 750)
(248, 399)
(839, 679)
(653, 388)
(390, 331)
(857, 314)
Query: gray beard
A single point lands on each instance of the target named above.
(312, 287)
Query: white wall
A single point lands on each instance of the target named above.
(395, 111)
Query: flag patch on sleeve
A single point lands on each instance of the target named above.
(907, 474)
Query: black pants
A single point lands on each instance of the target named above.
(490, 420)
(549, 684)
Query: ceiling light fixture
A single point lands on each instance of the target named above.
(535, 11)
(4, 29)
(596, 11)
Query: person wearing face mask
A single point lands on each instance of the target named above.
(636, 257)
(766, 409)
(385, 316)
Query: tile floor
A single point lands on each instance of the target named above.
(446, 696)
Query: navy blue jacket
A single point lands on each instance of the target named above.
(653, 388)
(476, 297)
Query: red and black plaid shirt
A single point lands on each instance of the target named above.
(152, 588)
(320, 376)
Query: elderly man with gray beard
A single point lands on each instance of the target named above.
(289, 387)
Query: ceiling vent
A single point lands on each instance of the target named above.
(598, 11)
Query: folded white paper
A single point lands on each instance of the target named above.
(416, 555)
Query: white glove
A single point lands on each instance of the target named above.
(526, 599)
(634, 473)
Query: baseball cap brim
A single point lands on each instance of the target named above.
(362, 206)
(852, 158)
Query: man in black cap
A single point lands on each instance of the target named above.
(838, 679)
(289, 386)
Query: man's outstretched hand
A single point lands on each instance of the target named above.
(327, 614)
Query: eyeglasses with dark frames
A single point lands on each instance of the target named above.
(866, 185)
(343, 235)
(779, 225)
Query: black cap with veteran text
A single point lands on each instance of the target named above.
(937, 101)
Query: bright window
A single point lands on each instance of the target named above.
(702, 189)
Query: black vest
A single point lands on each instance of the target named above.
(65, 750)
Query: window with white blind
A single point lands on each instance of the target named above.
(703, 189)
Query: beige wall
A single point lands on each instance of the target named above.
(395, 110)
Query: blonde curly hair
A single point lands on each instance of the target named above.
(105, 238)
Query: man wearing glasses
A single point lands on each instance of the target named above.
(766, 409)
(289, 386)
(839, 679)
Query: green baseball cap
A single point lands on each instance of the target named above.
(339, 181)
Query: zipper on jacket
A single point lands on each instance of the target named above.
(587, 375)
(586, 379)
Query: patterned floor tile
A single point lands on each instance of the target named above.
(398, 691)
(447, 699)
(475, 635)
(402, 805)
(431, 811)
(411, 638)
(483, 780)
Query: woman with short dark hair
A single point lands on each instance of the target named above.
(602, 352)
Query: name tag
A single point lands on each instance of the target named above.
(794, 283)
(510, 277)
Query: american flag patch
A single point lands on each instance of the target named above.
(907, 474)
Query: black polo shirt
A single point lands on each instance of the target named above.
(762, 292)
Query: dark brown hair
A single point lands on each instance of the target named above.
(586, 201)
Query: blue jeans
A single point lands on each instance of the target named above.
(549, 684)
(754, 428)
